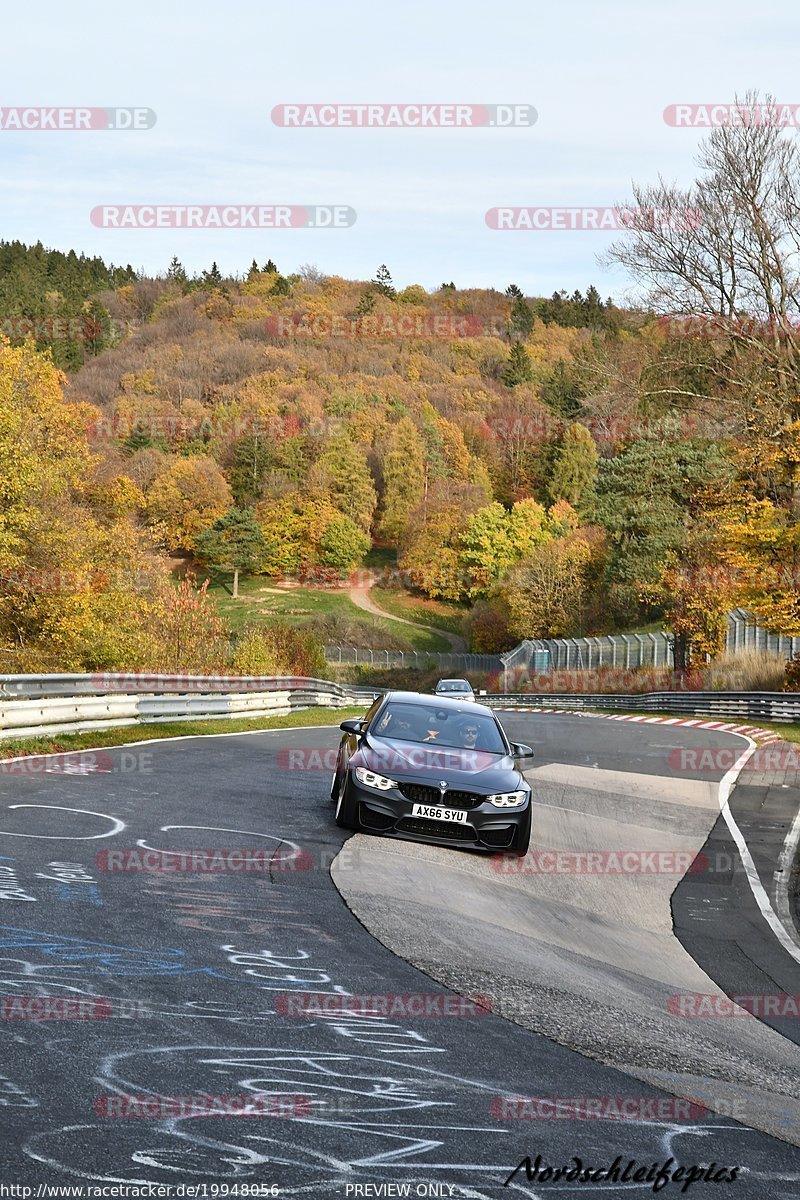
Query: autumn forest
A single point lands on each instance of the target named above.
(542, 466)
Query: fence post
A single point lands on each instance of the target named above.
(654, 640)
(640, 647)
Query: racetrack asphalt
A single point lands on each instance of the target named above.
(194, 975)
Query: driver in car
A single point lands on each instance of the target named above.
(398, 725)
(469, 733)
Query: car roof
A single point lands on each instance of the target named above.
(441, 701)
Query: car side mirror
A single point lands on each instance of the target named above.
(354, 726)
(520, 750)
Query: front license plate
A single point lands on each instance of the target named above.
(435, 813)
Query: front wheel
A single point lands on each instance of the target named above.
(346, 809)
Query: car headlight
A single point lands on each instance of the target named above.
(508, 799)
(373, 780)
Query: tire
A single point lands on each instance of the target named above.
(523, 839)
(346, 810)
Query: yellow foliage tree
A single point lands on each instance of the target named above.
(187, 499)
(74, 572)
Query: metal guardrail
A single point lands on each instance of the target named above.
(51, 704)
(47, 704)
(106, 683)
(747, 706)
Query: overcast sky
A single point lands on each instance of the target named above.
(598, 73)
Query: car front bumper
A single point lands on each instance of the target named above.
(391, 813)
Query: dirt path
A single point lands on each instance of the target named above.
(363, 599)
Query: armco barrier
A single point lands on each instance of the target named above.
(76, 703)
(48, 704)
(748, 706)
(105, 683)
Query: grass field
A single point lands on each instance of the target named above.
(331, 613)
(415, 608)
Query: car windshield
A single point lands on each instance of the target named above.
(454, 685)
(440, 727)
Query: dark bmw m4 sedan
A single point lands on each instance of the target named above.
(433, 769)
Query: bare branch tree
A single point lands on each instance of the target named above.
(727, 251)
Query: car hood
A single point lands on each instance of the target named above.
(416, 762)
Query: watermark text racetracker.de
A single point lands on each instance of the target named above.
(388, 1004)
(718, 864)
(58, 329)
(600, 862)
(223, 216)
(411, 757)
(545, 426)
(718, 325)
(777, 756)
(210, 860)
(596, 219)
(596, 1108)
(217, 860)
(251, 1104)
(710, 1005)
(377, 325)
(79, 762)
(68, 1008)
(31, 118)
(403, 116)
(726, 115)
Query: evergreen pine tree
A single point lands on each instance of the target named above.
(366, 303)
(175, 271)
(234, 542)
(383, 281)
(97, 328)
(212, 278)
(522, 319)
(575, 467)
(519, 368)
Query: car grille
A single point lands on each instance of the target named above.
(435, 829)
(419, 793)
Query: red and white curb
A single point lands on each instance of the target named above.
(752, 731)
